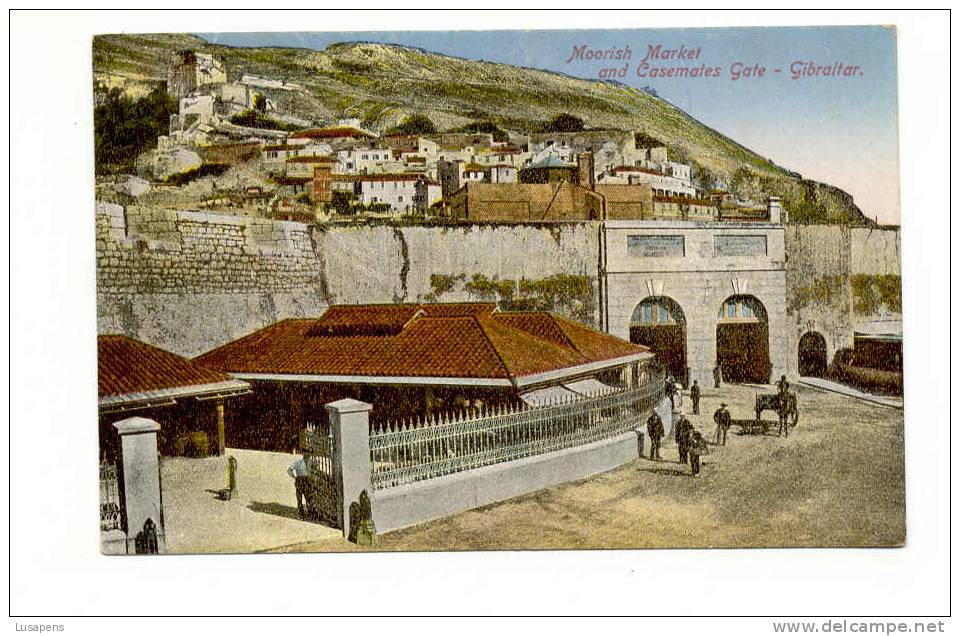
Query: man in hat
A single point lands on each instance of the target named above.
(655, 431)
(782, 385)
(723, 420)
(682, 436)
(695, 397)
(698, 446)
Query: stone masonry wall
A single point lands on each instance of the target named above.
(190, 281)
(838, 277)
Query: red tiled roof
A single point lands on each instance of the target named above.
(128, 366)
(638, 169)
(389, 177)
(336, 132)
(464, 340)
(311, 159)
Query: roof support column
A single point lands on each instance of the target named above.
(221, 429)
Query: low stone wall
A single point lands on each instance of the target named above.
(403, 506)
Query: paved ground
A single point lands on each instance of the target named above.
(836, 481)
(263, 515)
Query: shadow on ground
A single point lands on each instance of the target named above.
(274, 508)
(756, 427)
(672, 472)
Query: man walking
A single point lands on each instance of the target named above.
(695, 397)
(723, 420)
(670, 387)
(300, 474)
(782, 414)
(682, 436)
(783, 388)
(655, 432)
(698, 446)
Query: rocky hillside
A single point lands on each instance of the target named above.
(381, 84)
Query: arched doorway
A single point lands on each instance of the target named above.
(812, 355)
(658, 323)
(743, 342)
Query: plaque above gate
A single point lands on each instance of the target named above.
(655, 245)
(740, 245)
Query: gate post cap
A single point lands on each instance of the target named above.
(348, 405)
(136, 425)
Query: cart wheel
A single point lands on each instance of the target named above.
(795, 416)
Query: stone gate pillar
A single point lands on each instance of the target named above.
(140, 493)
(350, 427)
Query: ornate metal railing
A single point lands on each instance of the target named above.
(317, 444)
(410, 451)
(109, 498)
(321, 493)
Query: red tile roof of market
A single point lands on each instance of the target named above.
(336, 132)
(459, 340)
(130, 368)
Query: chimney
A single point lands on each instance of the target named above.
(585, 175)
(774, 212)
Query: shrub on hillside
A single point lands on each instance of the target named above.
(124, 127)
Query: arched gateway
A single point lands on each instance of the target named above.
(743, 341)
(812, 355)
(658, 322)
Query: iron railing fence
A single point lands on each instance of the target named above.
(317, 444)
(109, 498)
(411, 451)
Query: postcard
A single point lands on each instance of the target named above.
(498, 290)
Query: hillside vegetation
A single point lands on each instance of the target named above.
(384, 84)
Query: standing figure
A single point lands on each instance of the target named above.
(723, 420)
(716, 376)
(655, 431)
(300, 474)
(695, 397)
(783, 388)
(682, 436)
(782, 414)
(670, 387)
(782, 385)
(698, 446)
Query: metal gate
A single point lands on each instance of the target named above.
(110, 518)
(321, 494)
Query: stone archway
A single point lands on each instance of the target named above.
(743, 340)
(658, 322)
(812, 355)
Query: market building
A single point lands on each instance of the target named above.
(414, 360)
(186, 398)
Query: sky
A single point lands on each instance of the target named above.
(841, 130)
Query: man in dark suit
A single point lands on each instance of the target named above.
(655, 431)
(695, 397)
(682, 436)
